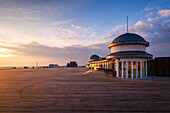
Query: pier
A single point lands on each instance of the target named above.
(78, 90)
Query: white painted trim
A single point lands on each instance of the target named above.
(131, 47)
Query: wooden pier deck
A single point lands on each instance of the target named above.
(77, 90)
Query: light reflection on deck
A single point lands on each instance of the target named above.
(87, 72)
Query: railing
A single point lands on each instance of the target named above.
(30, 67)
(22, 67)
(160, 66)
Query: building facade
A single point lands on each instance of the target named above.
(72, 64)
(128, 57)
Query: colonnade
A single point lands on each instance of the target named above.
(103, 65)
(124, 68)
(131, 69)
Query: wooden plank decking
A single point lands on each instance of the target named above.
(77, 90)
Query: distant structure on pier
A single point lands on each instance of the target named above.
(53, 66)
(72, 64)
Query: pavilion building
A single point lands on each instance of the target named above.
(128, 57)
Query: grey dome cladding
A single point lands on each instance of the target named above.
(96, 57)
(129, 38)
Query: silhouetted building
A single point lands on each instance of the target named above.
(72, 64)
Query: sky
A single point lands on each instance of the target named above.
(58, 31)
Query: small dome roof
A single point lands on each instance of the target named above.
(129, 38)
(96, 57)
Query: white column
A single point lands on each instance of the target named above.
(106, 65)
(122, 69)
(146, 70)
(141, 69)
(117, 68)
(136, 69)
(126, 69)
(132, 69)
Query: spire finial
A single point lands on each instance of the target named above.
(127, 24)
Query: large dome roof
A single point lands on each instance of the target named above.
(129, 38)
(95, 57)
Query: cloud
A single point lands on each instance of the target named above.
(160, 42)
(41, 32)
(142, 24)
(34, 32)
(153, 19)
(51, 34)
(117, 28)
(36, 10)
(149, 14)
(43, 22)
(34, 51)
(142, 28)
(164, 13)
(148, 8)
(6, 52)
(156, 33)
(113, 33)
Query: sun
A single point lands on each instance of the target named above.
(6, 52)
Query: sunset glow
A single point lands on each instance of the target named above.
(59, 31)
(5, 52)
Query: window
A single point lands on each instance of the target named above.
(138, 69)
(129, 69)
(134, 69)
(124, 69)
